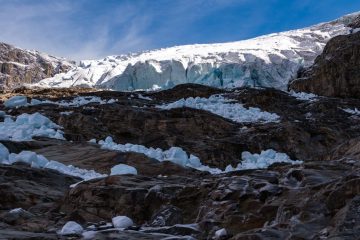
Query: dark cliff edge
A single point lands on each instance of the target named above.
(336, 72)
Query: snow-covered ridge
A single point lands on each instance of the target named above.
(268, 61)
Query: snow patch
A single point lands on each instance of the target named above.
(74, 171)
(75, 102)
(66, 113)
(140, 96)
(225, 108)
(304, 96)
(352, 111)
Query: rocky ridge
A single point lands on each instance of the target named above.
(19, 67)
(335, 72)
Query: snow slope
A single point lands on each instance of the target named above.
(268, 61)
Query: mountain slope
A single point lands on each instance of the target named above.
(18, 66)
(336, 71)
(268, 61)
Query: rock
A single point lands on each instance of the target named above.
(19, 67)
(336, 71)
(312, 200)
(167, 216)
(16, 214)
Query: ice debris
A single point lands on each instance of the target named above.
(226, 108)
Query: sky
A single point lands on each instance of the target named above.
(92, 29)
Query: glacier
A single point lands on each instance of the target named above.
(266, 61)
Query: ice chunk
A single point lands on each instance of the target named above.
(220, 233)
(74, 171)
(122, 169)
(26, 157)
(352, 111)
(75, 102)
(70, 228)
(4, 153)
(16, 101)
(35, 102)
(176, 155)
(263, 160)
(122, 222)
(303, 96)
(28, 125)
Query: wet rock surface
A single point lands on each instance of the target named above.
(318, 199)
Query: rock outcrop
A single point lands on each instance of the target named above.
(336, 72)
(19, 67)
(315, 200)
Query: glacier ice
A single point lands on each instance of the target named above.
(122, 169)
(303, 96)
(122, 222)
(70, 228)
(39, 161)
(27, 126)
(16, 101)
(266, 61)
(225, 108)
(179, 156)
(352, 111)
(75, 102)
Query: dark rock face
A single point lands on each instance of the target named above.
(336, 71)
(18, 66)
(315, 200)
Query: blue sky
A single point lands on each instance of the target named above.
(90, 29)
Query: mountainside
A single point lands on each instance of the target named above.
(194, 161)
(19, 67)
(194, 172)
(336, 71)
(268, 61)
